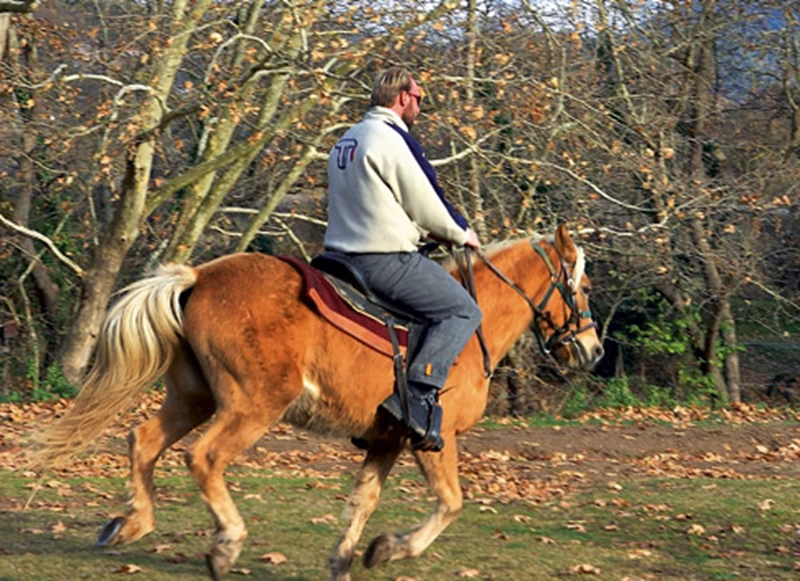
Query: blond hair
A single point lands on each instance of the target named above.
(389, 84)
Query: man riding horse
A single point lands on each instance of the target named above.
(383, 198)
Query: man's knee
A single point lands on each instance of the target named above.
(469, 310)
(475, 313)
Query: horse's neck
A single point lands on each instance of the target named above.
(506, 315)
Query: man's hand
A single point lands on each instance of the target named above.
(472, 239)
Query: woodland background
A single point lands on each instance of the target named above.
(666, 133)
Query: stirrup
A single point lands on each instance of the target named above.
(425, 423)
(432, 440)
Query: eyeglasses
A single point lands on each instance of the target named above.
(417, 97)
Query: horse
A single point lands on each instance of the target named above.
(235, 341)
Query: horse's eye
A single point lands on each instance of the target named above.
(587, 290)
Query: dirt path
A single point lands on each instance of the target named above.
(512, 462)
(749, 450)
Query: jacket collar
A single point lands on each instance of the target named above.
(384, 114)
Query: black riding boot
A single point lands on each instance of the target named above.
(425, 423)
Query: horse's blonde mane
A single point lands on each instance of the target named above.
(490, 250)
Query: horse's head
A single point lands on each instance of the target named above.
(563, 324)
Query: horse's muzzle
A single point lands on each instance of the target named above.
(582, 356)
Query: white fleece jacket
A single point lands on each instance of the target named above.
(379, 199)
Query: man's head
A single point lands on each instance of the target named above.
(396, 89)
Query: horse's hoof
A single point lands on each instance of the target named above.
(108, 534)
(213, 570)
(379, 551)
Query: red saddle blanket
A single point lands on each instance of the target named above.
(345, 314)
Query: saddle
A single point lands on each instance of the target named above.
(335, 286)
(343, 268)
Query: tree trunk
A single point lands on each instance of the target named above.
(697, 338)
(25, 61)
(478, 216)
(207, 194)
(117, 239)
(703, 73)
(182, 243)
(106, 264)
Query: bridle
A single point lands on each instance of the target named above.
(560, 280)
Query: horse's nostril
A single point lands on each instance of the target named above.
(598, 351)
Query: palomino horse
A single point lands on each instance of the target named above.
(234, 340)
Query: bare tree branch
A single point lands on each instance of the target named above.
(45, 240)
(20, 7)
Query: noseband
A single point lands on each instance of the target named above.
(559, 280)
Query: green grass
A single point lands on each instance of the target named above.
(641, 531)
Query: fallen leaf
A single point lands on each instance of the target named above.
(584, 569)
(765, 504)
(522, 518)
(576, 526)
(241, 571)
(32, 531)
(696, 529)
(320, 520)
(466, 572)
(273, 557)
(59, 527)
(163, 548)
(611, 528)
(129, 569)
(614, 486)
(499, 535)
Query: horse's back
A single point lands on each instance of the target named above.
(244, 308)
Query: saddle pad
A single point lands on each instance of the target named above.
(345, 313)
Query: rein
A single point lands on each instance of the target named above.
(561, 335)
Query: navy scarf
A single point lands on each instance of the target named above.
(430, 173)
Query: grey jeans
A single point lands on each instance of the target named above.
(420, 285)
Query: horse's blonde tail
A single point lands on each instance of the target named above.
(135, 347)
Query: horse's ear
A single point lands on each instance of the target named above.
(565, 246)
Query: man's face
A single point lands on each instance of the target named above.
(411, 110)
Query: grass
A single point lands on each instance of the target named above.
(658, 529)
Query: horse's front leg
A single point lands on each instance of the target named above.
(362, 503)
(188, 404)
(441, 472)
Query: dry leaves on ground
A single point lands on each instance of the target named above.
(274, 558)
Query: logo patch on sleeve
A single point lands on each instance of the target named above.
(345, 152)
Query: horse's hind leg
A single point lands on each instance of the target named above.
(363, 501)
(441, 472)
(241, 419)
(189, 403)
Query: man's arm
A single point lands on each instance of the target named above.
(472, 239)
(416, 195)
